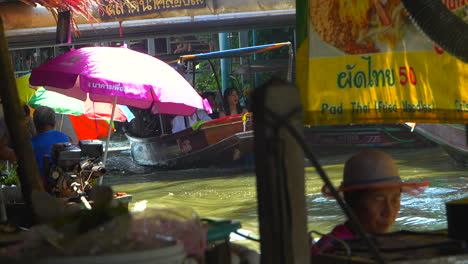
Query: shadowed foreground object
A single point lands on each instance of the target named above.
(27, 168)
(441, 25)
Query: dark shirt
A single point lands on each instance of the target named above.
(214, 115)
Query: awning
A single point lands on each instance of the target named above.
(159, 27)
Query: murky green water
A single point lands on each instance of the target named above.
(231, 194)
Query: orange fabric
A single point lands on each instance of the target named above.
(98, 110)
(226, 119)
(86, 128)
(412, 188)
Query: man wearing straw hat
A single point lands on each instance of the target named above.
(372, 188)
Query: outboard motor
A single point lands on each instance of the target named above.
(73, 169)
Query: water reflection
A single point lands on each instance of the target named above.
(231, 194)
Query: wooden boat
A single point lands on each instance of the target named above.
(213, 143)
(451, 137)
(380, 135)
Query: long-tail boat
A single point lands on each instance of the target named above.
(358, 135)
(206, 144)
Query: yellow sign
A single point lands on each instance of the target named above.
(363, 61)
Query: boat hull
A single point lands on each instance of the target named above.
(214, 143)
(386, 135)
(452, 138)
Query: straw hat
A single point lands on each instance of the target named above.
(374, 169)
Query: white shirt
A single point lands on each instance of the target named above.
(178, 123)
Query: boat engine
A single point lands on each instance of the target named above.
(73, 169)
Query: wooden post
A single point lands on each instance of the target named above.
(466, 134)
(15, 119)
(280, 175)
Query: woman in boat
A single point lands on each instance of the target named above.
(372, 188)
(231, 103)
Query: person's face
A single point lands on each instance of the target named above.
(378, 208)
(233, 98)
(211, 101)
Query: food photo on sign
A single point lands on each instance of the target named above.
(365, 26)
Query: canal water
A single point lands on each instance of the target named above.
(231, 194)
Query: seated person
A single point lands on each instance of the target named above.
(180, 123)
(44, 120)
(6, 151)
(231, 103)
(211, 97)
(372, 188)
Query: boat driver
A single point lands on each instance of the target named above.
(180, 123)
(372, 188)
(44, 120)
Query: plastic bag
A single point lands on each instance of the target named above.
(180, 224)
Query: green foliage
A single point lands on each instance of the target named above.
(273, 35)
(9, 175)
(205, 78)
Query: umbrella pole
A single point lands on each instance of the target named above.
(61, 122)
(28, 171)
(104, 159)
(163, 129)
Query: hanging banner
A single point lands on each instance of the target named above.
(364, 61)
(122, 9)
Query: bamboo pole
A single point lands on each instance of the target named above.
(28, 171)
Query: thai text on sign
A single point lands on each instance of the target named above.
(122, 9)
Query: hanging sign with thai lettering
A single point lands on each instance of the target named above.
(131, 8)
(366, 62)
